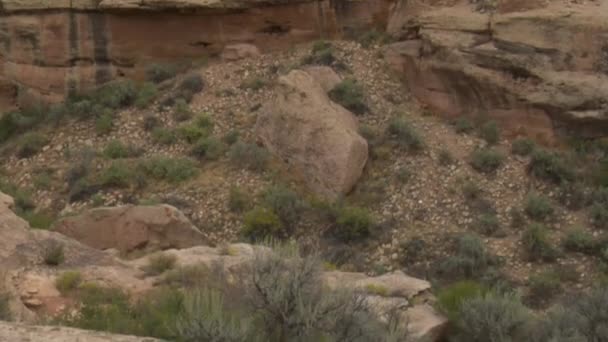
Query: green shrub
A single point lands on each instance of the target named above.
(38, 219)
(261, 223)
(404, 134)
(471, 191)
(450, 299)
(116, 149)
(118, 174)
(403, 175)
(115, 94)
(469, 260)
(559, 325)
(31, 144)
(577, 240)
(173, 170)
(538, 207)
(599, 215)
(463, 125)
(181, 111)
(192, 133)
(190, 276)
(490, 132)
(593, 310)
(537, 245)
(492, 318)
(486, 160)
(146, 94)
(322, 53)
(353, 223)
(371, 37)
(376, 290)
(413, 250)
(190, 85)
(209, 148)
(350, 95)
(445, 158)
(551, 167)
(487, 224)
(544, 286)
(164, 136)
(157, 73)
(523, 146)
(104, 124)
(253, 83)
(68, 281)
(238, 200)
(249, 156)
(285, 203)
(573, 196)
(158, 264)
(52, 253)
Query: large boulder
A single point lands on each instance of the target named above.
(128, 228)
(316, 137)
(540, 72)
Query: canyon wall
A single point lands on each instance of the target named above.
(50, 48)
(538, 67)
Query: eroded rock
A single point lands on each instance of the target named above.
(316, 137)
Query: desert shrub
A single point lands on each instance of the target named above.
(469, 260)
(5, 309)
(238, 200)
(157, 73)
(377, 290)
(371, 37)
(151, 122)
(573, 196)
(201, 127)
(445, 158)
(38, 219)
(551, 167)
(350, 95)
(173, 170)
(403, 175)
(260, 223)
(145, 95)
(285, 203)
(181, 111)
(490, 132)
(164, 136)
(543, 287)
(52, 253)
(205, 318)
(118, 174)
(593, 309)
(253, 83)
(404, 134)
(250, 156)
(413, 250)
(599, 215)
(523, 146)
(353, 223)
(450, 299)
(104, 124)
(31, 144)
(158, 264)
(492, 318)
(558, 325)
(231, 137)
(462, 125)
(471, 191)
(322, 53)
(487, 224)
(577, 240)
(116, 149)
(189, 277)
(68, 281)
(537, 245)
(486, 160)
(115, 94)
(43, 179)
(209, 148)
(537, 207)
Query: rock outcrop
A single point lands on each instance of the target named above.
(540, 68)
(51, 48)
(316, 137)
(128, 228)
(26, 333)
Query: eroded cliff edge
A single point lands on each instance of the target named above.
(540, 68)
(51, 48)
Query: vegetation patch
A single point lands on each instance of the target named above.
(31, 144)
(250, 156)
(486, 160)
(68, 281)
(537, 207)
(523, 146)
(551, 167)
(261, 223)
(404, 134)
(350, 95)
(173, 170)
(160, 263)
(537, 244)
(52, 253)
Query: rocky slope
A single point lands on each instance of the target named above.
(540, 68)
(49, 49)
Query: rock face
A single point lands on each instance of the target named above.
(51, 48)
(540, 68)
(316, 137)
(128, 228)
(25, 333)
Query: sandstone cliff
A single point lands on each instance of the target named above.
(49, 48)
(541, 68)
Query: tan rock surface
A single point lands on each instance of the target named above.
(316, 137)
(13, 332)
